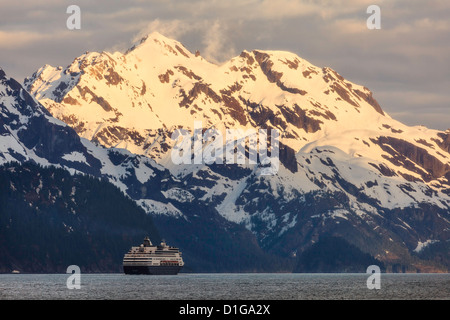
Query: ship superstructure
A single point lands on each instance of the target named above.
(150, 259)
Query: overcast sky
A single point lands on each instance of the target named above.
(406, 63)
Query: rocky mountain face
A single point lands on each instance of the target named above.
(51, 219)
(65, 200)
(346, 168)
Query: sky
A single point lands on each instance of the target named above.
(405, 63)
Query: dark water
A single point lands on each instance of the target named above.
(225, 286)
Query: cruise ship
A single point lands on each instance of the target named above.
(150, 259)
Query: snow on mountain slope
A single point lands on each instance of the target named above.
(136, 100)
(160, 84)
(29, 133)
(344, 161)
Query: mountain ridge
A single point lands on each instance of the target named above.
(347, 168)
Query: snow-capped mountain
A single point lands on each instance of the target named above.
(346, 167)
(32, 140)
(29, 133)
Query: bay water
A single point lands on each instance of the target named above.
(252, 286)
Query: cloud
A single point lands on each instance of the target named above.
(13, 40)
(170, 28)
(217, 47)
(349, 26)
(435, 120)
(273, 9)
(405, 63)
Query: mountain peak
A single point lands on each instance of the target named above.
(157, 41)
(155, 35)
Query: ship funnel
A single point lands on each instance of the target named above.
(147, 242)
